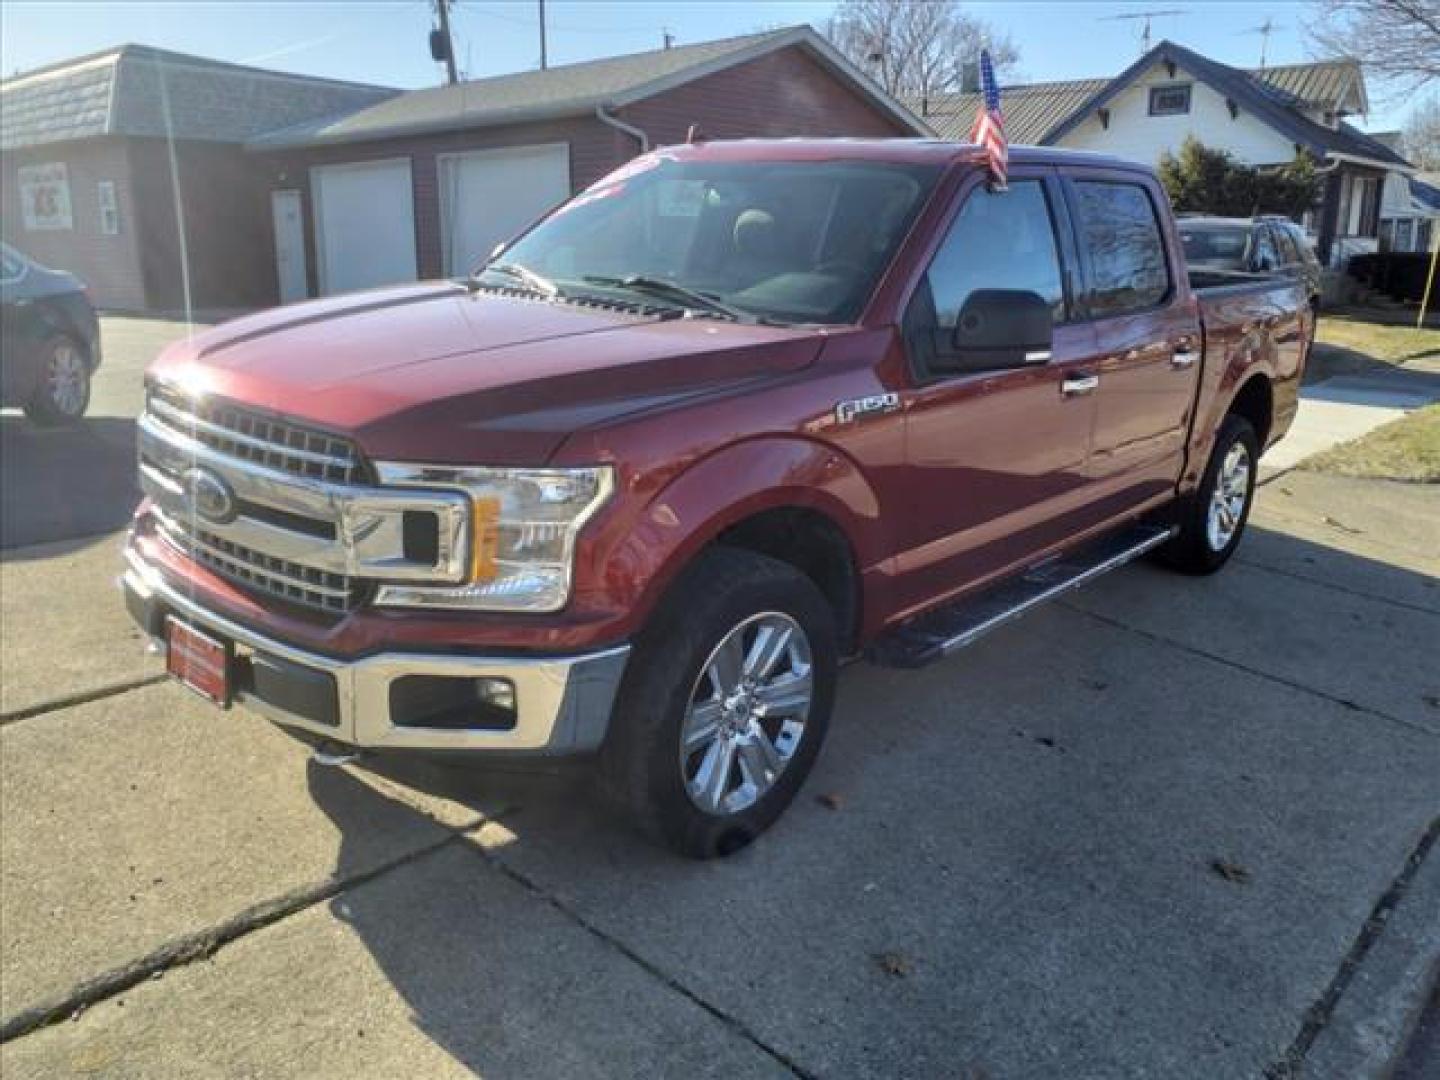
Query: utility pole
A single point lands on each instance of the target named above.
(667, 37)
(543, 59)
(441, 45)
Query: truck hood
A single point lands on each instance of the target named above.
(435, 373)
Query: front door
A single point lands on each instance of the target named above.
(1148, 338)
(996, 458)
(290, 266)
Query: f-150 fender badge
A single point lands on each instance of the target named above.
(846, 411)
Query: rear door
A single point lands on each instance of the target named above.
(1147, 333)
(995, 459)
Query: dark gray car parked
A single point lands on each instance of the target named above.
(1261, 245)
(51, 340)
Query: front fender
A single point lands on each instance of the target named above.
(694, 507)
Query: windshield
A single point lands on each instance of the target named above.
(1216, 247)
(783, 241)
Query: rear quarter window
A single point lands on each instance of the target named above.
(1121, 240)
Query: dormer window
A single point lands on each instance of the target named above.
(1170, 100)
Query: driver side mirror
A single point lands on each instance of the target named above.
(1000, 328)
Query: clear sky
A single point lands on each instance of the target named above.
(384, 41)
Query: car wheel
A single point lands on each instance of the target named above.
(62, 392)
(724, 705)
(1212, 519)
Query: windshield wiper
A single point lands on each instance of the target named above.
(668, 290)
(537, 282)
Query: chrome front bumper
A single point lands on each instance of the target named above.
(562, 704)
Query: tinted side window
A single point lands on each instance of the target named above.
(1302, 245)
(1289, 255)
(999, 240)
(1266, 257)
(1121, 235)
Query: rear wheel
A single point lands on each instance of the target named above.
(1212, 519)
(62, 392)
(725, 704)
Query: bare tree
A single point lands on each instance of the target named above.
(1397, 40)
(917, 50)
(1422, 134)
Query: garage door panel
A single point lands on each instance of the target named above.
(487, 196)
(364, 224)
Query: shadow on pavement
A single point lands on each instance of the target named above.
(74, 483)
(1037, 857)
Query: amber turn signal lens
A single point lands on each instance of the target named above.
(486, 541)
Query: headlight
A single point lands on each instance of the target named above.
(523, 524)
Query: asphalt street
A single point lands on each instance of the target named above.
(1169, 827)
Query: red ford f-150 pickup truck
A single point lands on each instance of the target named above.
(732, 415)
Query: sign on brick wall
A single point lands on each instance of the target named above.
(45, 196)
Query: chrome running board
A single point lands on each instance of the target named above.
(946, 630)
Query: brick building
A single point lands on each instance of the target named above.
(290, 186)
(90, 183)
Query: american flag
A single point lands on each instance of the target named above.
(989, 129)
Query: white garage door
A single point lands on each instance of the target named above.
(364, 224)
(487, 196)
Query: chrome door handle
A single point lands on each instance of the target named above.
(1184, 358)
(1079, 384)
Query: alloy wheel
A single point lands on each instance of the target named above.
(65, 378)
(1227, 501)
(746, 714)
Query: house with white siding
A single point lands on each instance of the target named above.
(1261, 117)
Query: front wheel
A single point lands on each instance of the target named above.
(62, 393)
(725, 704)
(1213, 517)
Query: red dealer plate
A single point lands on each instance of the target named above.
(198, 660)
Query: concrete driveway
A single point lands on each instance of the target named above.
(1170, 828)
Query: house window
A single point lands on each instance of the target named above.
(1170, 100)
(109, 208)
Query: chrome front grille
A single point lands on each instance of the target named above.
(284, 510)
(321, 589)
(258, 437)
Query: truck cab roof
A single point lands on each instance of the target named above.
(913, 151)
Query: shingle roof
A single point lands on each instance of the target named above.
(1042, 113)
(1030, 110)
(565, 91)
(142, 91)
(1425, 193)
(1317, 85)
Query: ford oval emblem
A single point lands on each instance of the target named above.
(210, 496)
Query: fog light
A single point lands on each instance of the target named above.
(455, 704)
(496, 693)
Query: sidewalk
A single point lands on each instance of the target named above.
(1346, 407)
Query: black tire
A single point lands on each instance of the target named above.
(641, 764)
(1192, 550)
(62, 384)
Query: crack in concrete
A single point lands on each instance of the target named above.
(732, 1022)
(80, 697)
(1280, 680)
(1291, 1064)
(200, 945)
(203, 944)
(1359, 594)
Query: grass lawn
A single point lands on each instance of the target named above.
(1392, 344)
(1404, 449)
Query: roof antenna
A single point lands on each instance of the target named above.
(1147, 16)
(1265, 29)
